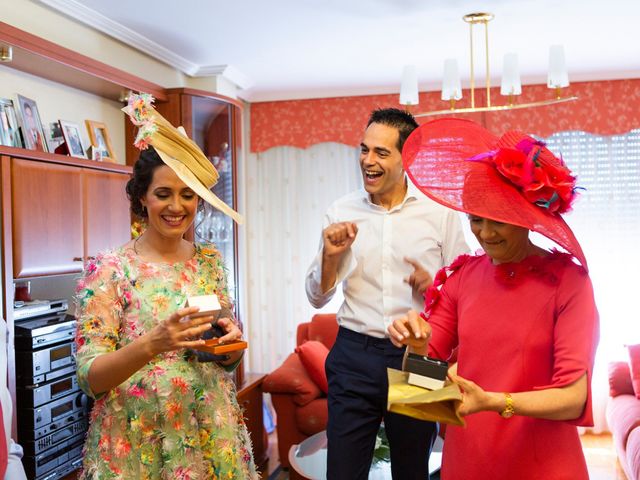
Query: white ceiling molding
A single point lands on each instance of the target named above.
(229, 72)
(96, 20)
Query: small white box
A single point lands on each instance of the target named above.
(209, 305)
(425, 382)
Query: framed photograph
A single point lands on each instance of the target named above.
(100, 141)
(94, 153)
(32, 132)
(71, 135)
(9, 128)
(56, 139)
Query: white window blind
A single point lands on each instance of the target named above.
(606, 221)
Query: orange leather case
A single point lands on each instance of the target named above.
(214, 346)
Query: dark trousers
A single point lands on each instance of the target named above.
(357, 373)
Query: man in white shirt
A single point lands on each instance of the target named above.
(383, 243)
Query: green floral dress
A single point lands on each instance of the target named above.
(175, 418)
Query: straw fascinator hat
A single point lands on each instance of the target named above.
(512, 179)
(176, 150)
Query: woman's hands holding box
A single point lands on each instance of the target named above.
(178, 332)
(410, 330)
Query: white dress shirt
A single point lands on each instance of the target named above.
(373, 271)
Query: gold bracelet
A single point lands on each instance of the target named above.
(509, 409)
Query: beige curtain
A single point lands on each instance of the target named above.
(287, 191)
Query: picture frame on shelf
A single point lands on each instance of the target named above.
(9, 127)
(55, 138)
(71, 134)
(32, 132)
(94, 153)
(100, 141)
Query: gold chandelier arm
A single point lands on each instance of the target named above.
(473, 75)
(497, 108)
(486, 56)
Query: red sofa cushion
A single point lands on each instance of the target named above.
(313, 354)
(634, 362)
(323, 327)
(620, 379)
(313, 417)
(291, 377)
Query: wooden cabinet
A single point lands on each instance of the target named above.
(212, 121)
(46, 203)
(64, 215)
(107, 221)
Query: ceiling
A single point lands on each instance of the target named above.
(289, 49)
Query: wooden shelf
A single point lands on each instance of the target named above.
(63, 159)
(40, 57)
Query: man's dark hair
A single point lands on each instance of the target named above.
(401, 120)
(139, 183)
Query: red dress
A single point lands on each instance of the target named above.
(522, 326)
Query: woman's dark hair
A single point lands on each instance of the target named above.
(139, 183)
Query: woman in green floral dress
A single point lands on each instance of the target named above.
(159, 412)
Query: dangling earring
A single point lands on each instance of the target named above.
(144, 211)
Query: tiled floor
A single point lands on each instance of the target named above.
(598, 449)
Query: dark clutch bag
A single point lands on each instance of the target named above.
(215, 332)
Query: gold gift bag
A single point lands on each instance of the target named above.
(440, 405)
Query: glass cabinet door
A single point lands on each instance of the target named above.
(212, 129)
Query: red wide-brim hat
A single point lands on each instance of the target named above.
(512, 179)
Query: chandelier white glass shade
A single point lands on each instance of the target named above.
(409, 86)
(510, 86)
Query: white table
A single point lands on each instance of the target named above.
(309, 458)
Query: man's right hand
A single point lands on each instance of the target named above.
(338, 238)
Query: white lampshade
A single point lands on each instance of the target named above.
(510, 76)
(558, 76)
(409, 86)
(451, 87)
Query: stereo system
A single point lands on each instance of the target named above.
(41, 365)
(36, 395)
(52, 410)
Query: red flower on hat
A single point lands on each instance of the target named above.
(542, 178)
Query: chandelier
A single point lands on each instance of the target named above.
(510, 86)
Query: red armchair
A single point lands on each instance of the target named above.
(300, 405)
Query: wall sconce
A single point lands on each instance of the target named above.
(124, 96)
(6, 53)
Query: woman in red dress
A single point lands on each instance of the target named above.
(521, 319)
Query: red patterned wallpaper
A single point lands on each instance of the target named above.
(605, 108)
